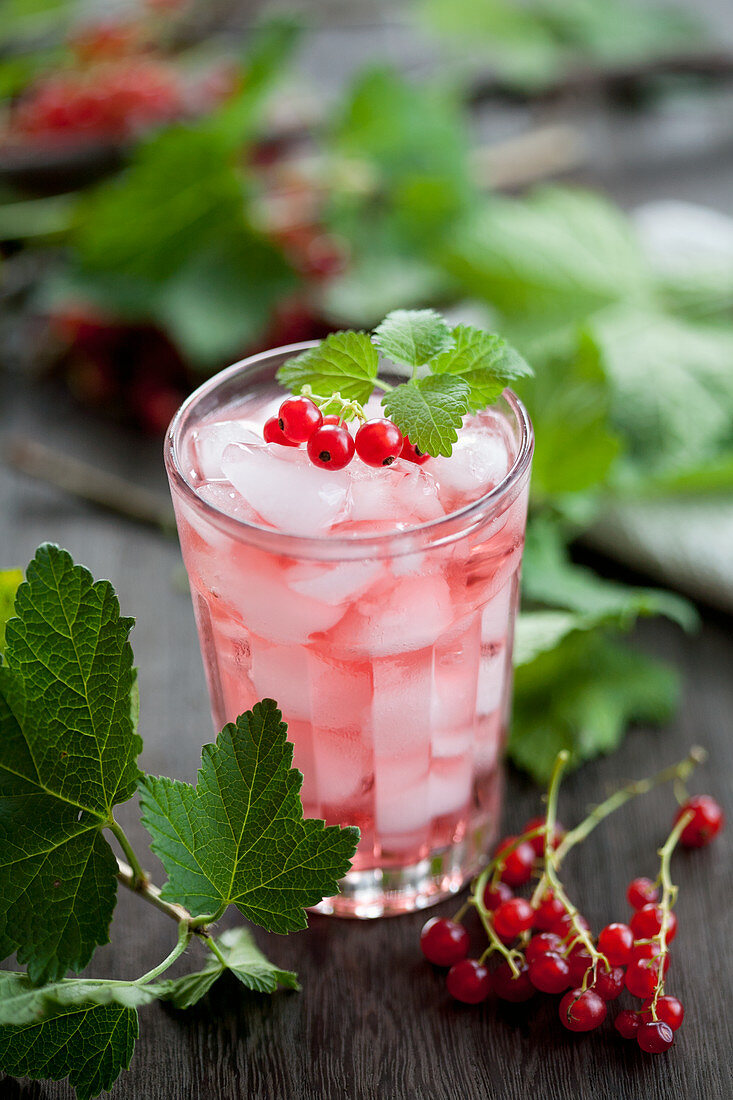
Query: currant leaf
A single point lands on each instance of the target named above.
(239, 837)
(429, 411)
(412, 336)
(243, 959)
(345, 363)
(68, 754)
(21, 1002)
(9, 581)
(89, 1043)
(484, 360)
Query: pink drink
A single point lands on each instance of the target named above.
(377, 607)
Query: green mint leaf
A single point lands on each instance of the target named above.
(345, 363)
(243, 958)
(9, 581)
(90, 1044)
(238, 837)
(581, 695)
(430, 411)
(67, 756)
(412, 336)
(483, 360)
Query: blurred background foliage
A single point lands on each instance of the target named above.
(171, 199)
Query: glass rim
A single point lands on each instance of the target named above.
(441, 530)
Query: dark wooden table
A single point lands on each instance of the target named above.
(373, 1019)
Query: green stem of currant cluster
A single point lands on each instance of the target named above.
(139, 878)
(184, 938)
(667, 901)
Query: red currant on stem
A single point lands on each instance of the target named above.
(549, 972)
(616, 942)
(641, 892)
(538, 841)
(299, 418)
(549, 912)
(512, 918)
(647, 922)
(331, 447)
(444, 942)
(511, 988)
(412, 453)
(582, 1011)
(642, 975)
(469, 981)
(495, 894)
(580, 961)
(627, 1023)
(655, 1037)
(707, 821)
(518, 862)
(541, 944)
(273, 433)
(669, 1010)
(378, 442)
(609, 984)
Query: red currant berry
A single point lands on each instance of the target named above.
(627, 1023)
(444, 942)
(331, 447)
(549, 912)
(669, 1011)
(378, 442)
(273, 433)
(580, 961)
(541, 944)
(469, 981)
(564, 926)
(299, 418)
(411, 453)
(647, 922)
(616, 942)
(647, 951)
(549, 973)
(510, 988)
(538, 842)
(641, 891)
(641, 977)
(518, 863)
(512, 918)
(581, 1011)
(495, 895)
(609, 984)
(707, 821)
(655, 1037)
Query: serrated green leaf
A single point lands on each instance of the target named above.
(238, 837)
(21, 1002)
(67, 756)
(549, 577)
(581, 695)
(412, 336)
(243, 958)
(9, 581)
(89, 1044)
(345, 363)
(484, 360)
(429, 411)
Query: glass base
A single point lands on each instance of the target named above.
(388, 891)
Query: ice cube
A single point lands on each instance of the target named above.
(343, 768)
(453, 697)
(285, 488)
(450, 784)
(411, 614)
(255, 586)
(226, 499)
(300, 735)
(334, 582)
(492, 672)
(489, 730)
(479, 461)
(402, 492)
(495, 615)
(341, 693)
(280, 672)
(208, 442)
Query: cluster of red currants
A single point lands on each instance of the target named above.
(547, 947)
(329, 442)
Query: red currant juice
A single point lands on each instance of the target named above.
(376, 606)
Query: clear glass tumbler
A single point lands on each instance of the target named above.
(389, 654)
